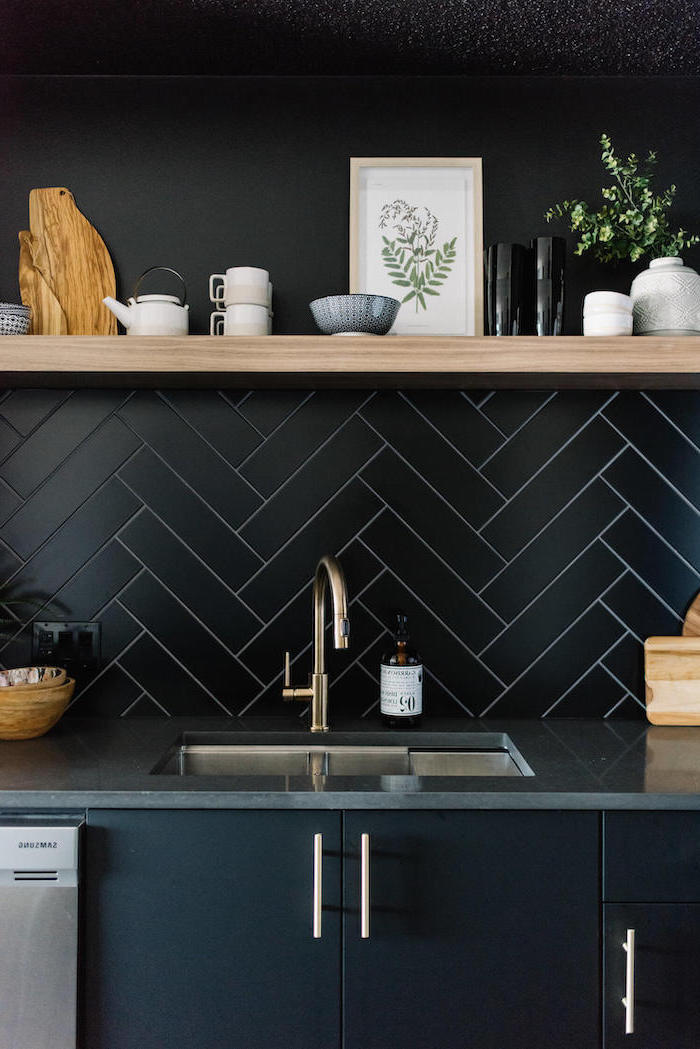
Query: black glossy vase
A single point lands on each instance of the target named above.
(548, 254)
(508, 290)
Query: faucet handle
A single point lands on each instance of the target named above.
(287, 671)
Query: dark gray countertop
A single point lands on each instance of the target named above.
(578, 764)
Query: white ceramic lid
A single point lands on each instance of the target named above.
(612, 299)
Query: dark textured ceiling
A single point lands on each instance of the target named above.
(346, 37)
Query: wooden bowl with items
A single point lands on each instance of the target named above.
(32, 699)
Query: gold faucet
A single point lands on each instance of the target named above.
(328, 571)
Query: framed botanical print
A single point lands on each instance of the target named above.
(416, 233)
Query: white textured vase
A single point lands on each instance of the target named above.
(666, 299)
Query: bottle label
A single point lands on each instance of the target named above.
(401, 691)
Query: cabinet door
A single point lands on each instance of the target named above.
(483, 931)
(198, 931)
(664, 988)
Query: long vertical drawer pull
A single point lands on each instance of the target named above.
(364, 886)
(318, 886)
(628, 1000)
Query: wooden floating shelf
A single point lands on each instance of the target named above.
(315, 361)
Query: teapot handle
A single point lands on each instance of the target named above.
(166, 269)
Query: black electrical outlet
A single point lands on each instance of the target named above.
(75, 646)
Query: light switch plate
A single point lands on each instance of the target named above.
(75, 646)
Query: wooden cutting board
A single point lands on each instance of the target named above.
(64, 265)
(672, 674)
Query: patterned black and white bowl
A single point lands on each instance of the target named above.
(14, 318)
(355, 314)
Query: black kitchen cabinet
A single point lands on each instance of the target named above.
(198, 931)
(664, 992)
(652, 888)
(483, 931)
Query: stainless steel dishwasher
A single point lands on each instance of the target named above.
(39, 930)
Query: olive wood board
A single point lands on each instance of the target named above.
(64, 268)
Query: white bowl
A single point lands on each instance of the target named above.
(608, 324)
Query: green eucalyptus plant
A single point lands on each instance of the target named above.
(633, 222)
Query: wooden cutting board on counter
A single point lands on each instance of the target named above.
(65, 269)
(672, 674)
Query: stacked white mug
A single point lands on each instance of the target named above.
(244, 298)
(607, 313)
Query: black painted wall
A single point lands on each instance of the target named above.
(535, 539)
(205, 173)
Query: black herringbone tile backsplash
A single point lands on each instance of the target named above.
(535, 540)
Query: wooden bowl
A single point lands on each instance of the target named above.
(32, 677)
(28, 711)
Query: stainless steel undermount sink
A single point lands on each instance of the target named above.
(425, 755)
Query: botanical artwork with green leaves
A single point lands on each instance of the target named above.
(413, 258)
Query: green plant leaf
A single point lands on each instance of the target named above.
(408, 297)
(429, 291)
(421, 300)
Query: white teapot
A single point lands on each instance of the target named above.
(152, 314)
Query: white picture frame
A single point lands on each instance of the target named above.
(416, 234)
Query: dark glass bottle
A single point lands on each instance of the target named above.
(401, 681)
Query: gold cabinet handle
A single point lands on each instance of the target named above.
(318, 886)
(628, 1000)
(364, 886)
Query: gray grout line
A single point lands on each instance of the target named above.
(319, 448)
(551, 583)
(436, 555)
(212, 448)
(480, 409)
(435, 616)
(434, 490)
(139, 685)
(577, 433)
(162, 395)
(175, 659)
(14, 492)
(579, 679)
(620, 683)
(108, 666)
(185, 484)
(656, 470)
(526, 422)
(73, 512)
(187, 547)
(112, 414)
(637, 576)
(652, 528)
(693, 445)
(598, 477)
(449, 443)
(235, 409)
(620, 620)
(47, 605)
(557, 639)
(300, 529)
(292, 476)
(189, 611)
(132, 705)
(279, 426)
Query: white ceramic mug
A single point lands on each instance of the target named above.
(241, 319)
(241, 285)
